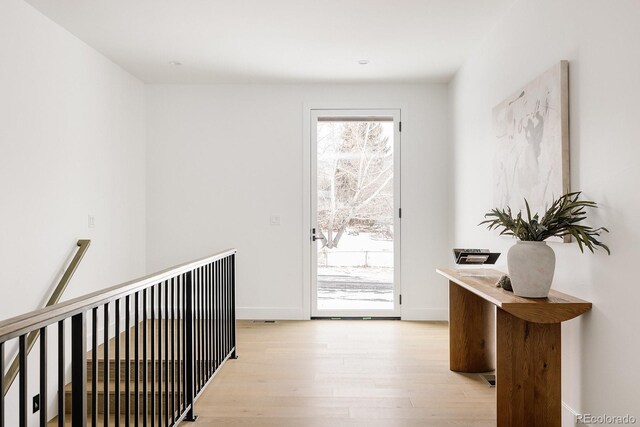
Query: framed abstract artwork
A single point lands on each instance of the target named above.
(531, 130)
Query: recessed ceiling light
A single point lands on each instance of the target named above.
(363, 61)
(175, 63)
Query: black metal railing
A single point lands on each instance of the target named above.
(12, 373)
(156, 342)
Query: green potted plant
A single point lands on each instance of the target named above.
(531, 262)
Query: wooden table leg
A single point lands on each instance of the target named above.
(528, 374)
(471, 331)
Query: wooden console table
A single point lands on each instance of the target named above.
(526, 346)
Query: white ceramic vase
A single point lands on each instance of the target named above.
(531, 266)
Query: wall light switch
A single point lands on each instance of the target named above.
(91, 221)
(275, 220)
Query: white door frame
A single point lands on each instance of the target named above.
(395, 115)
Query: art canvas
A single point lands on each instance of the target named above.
(532, 143)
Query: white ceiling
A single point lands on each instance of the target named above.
(281, 40)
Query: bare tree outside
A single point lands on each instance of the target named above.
(355, 210)
(355, 179)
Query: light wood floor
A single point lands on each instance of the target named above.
(344, 373)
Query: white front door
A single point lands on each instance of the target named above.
(355, 213)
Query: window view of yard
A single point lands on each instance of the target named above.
(355, 215)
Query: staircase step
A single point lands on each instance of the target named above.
(158, 365)
(177, 337)
(112, 384)
(179, 365)
(112, 399)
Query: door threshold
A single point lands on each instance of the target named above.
(355, 318)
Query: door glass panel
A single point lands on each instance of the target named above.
(355, 214)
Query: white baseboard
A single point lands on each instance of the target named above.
(269, 313)
(569, 416)
(425, 314)
(289, 313)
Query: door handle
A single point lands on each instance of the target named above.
(314, 237)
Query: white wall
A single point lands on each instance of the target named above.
(600, 39)
(223, 158)
(72, 143)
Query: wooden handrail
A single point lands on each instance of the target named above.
(14, 368)
(23, 324)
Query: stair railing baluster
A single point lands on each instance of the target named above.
(210, 318)
(43, 377)
(180, 343)
(202, 333)
(152, 367)
(184, 341)
(136, 356)
(234, 331)
(196, 315)
(205, 321)
(116, 364)
(225, 341)
(94, 367)
(189, 358)
(217, 314)
(22, 379)
(61, 368)
(173, 350)
(145, 339)
(79, 370)
(225, 338)
(105, 365)
(127, 366)
(165, 359)
(2, 407)
(159, 365)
